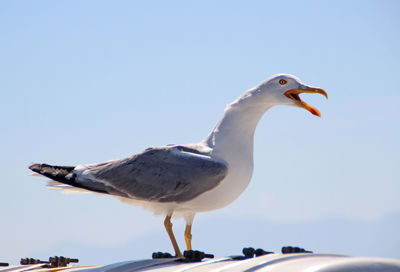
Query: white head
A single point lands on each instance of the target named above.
(285, 89)
(280, 89)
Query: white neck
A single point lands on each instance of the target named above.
(234, 133)
(232, 141)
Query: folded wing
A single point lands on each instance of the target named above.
(163, 174)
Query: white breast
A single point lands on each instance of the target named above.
(232, 141)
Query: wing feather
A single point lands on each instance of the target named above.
(164, 174)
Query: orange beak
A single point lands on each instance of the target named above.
(293, 94)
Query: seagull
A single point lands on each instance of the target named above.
(182, 180)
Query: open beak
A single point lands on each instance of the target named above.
(293, 94)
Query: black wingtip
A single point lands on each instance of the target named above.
(54, 172)
(37, 167)
(34, 166)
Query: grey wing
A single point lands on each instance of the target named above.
(164, 174)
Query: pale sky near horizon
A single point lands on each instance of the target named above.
(89, 81)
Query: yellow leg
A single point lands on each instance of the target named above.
(188, 237)
(168, 227)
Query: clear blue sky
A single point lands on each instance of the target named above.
(89, 81)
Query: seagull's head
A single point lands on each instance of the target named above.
(285, 89)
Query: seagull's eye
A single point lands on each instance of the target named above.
(282, 81)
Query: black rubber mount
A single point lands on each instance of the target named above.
(189, 256)
(195, 256)
(260, 252)
(161, 255)
(26, 261)
(56, 261)
(250, 252)
(60, 261)
(290, 249)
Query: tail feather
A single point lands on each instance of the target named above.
(66, 176)
(65, 188)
